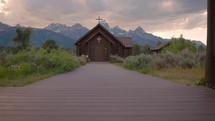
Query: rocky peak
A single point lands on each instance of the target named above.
(139, 30)
(105, 25)
(77, 26)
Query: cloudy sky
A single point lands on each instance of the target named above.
(165, 18)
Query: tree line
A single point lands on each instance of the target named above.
(176, 45)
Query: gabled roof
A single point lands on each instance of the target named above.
(125, 41)
(160, 46)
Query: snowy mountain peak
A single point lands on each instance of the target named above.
(105, 25)
(55, 26)
(77, 26)
(117, 31)
(74, 32)
(139, 30)
(66, 35)
(116, 27)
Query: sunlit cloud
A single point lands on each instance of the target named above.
(166, 4)
(4, 7)
(153, 15)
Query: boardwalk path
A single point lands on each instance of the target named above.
(103, 92)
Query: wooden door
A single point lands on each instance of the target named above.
(99, 49)
(99, 53)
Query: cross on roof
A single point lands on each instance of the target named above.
(99, 19)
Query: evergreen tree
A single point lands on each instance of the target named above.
(18, 38)
(49, 44)
(22, 37)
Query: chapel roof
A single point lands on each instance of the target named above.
(160, 46)
(126, 41)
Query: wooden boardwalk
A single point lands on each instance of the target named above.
(103, 92)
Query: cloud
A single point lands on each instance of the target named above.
(157, 12)
(97, 5)
(153, 15)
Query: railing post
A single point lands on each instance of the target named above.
(210, 60)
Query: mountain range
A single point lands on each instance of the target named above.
(67, 35)
(37, 38)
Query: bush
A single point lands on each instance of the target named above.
(116, 59)
(201, 82)
(4, 72)
(200, 57)
(83, 59)
(131, 62)
(145, 61)
(3, 57)
(138, 62)
(25, 69)
(184, 59)
(158, 62)
(26, 63)
(171, 59)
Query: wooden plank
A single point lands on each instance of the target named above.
(103, 92)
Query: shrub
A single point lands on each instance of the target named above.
(131, 62)
(145, 61)
(60, 61)
(116, 59)
(186, 59)
(138, 62)
(171, 59)
(3, 72)
(25, 69)
(201, 82)
(158, 62)
(3, 57)
(83, 59)
(25, 63)
(200, 57)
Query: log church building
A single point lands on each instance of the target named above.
(99, 44)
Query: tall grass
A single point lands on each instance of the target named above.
(24, 64)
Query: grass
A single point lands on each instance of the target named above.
(179, 75)
(25, 80)
(184, 76)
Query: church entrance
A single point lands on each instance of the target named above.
(99, 44)
(99, 49)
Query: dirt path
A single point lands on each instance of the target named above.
(104, 92)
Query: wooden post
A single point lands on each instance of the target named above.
(210, 60)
